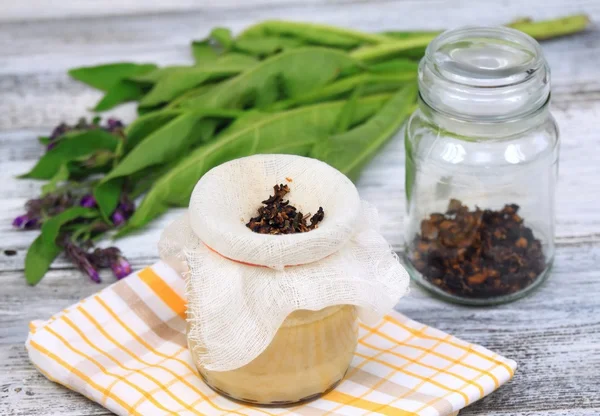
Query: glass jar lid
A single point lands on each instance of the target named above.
(484, 74)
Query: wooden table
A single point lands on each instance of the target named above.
(554, 334)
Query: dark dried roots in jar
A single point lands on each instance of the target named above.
(477, 254)
(279, 217)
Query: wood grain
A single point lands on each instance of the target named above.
(554, 334)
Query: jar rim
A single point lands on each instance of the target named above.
(484, 73)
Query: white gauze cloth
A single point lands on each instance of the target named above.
(242, 285)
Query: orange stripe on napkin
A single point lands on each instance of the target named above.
(347, 400)
(163, 291)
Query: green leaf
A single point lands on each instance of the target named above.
(272, 90)
(71, 148)
(44, 249)
(216, 44)
(395, 66)
(45, 140)
(203, 52)
(247, 119)
(221, 39)
(142, 111)
(122, 92)
(392, 66)
(152, 77)
(340, 88)
(292, 132)
(263, 46)
(146, 124)
(349, 152)
(347, 114)
(104, 77)
(107, 196)
(302, 70)
(190, 94)
(315, 34)
(167, 143)
(175, 81)
(60, 176)
(143, 180)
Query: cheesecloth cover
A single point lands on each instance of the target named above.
(242, 285)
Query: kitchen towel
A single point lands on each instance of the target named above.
(125, 348)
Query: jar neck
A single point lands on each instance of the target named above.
(471, 129)
(484, 81)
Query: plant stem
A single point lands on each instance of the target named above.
(286, 27)
(547, 29)
(72, 186)
(394, 48)
(411, 34)
(405, 41)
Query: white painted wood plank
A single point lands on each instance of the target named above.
(41, 9)
(25, 392)
(422, 10)
(27, 46)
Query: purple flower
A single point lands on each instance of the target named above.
(113, 123)
(59, 130)
(50, 146)
(111, 257)
(79, 257)
(124, 210)
(88, 201)
(92, 273)
(121, 267)
(25, 222)
(20, 221)
(127, 209)
(118, 217)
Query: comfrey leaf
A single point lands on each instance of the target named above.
(301, 70)
(203, 52)
(146, 124)
(221, 39)
(172, 82)
(347, 114)
(104, 77)
(70, 149)
(122, 92)
(60, 176)
(44, 248)
(264, 46)
(349, 152)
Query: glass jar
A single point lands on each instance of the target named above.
(308, 356)
(481, 168)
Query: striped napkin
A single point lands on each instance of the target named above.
(125, 348)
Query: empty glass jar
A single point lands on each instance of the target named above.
(481, 168)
